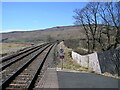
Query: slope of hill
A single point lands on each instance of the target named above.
(55, 33)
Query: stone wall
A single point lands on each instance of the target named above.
(108, 61)
(89, 61)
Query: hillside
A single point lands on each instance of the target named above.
(55, 33)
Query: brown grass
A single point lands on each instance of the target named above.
(71, 64)
(110, 75)
(7, 48)
(55, 33)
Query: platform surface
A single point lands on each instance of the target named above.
(57, 78)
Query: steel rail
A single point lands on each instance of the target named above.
(19, 53)
(7, 65)
(32, 83)
(12, 77)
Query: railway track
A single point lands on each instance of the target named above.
(12, 63)
(18, 56)
(22, 70)
(8, 57)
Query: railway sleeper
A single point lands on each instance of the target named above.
(20, 81)
(27, 73)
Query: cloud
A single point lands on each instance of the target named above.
(11, 30)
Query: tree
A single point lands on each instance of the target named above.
(109, 12)
(101, 24)
(80, 19)
(88, 17)
(113, 12)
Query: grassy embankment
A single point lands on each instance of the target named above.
(71, 64)
(68, 62)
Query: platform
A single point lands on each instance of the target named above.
(57, 78)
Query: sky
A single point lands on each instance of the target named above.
(27, 16)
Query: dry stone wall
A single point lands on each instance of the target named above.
(110, 61)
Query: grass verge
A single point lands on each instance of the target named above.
(68, 62)
(71, 64)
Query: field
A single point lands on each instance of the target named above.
(7, 48)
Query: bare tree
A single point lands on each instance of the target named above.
(105, 31)
(113, 10)
(101, 23)
(88, 17)
(92, 16)
(109, 13)
(80, 19)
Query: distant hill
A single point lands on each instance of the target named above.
(55, 33)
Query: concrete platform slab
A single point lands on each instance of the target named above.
(76, 79)
(49, 79)
(57, 78)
